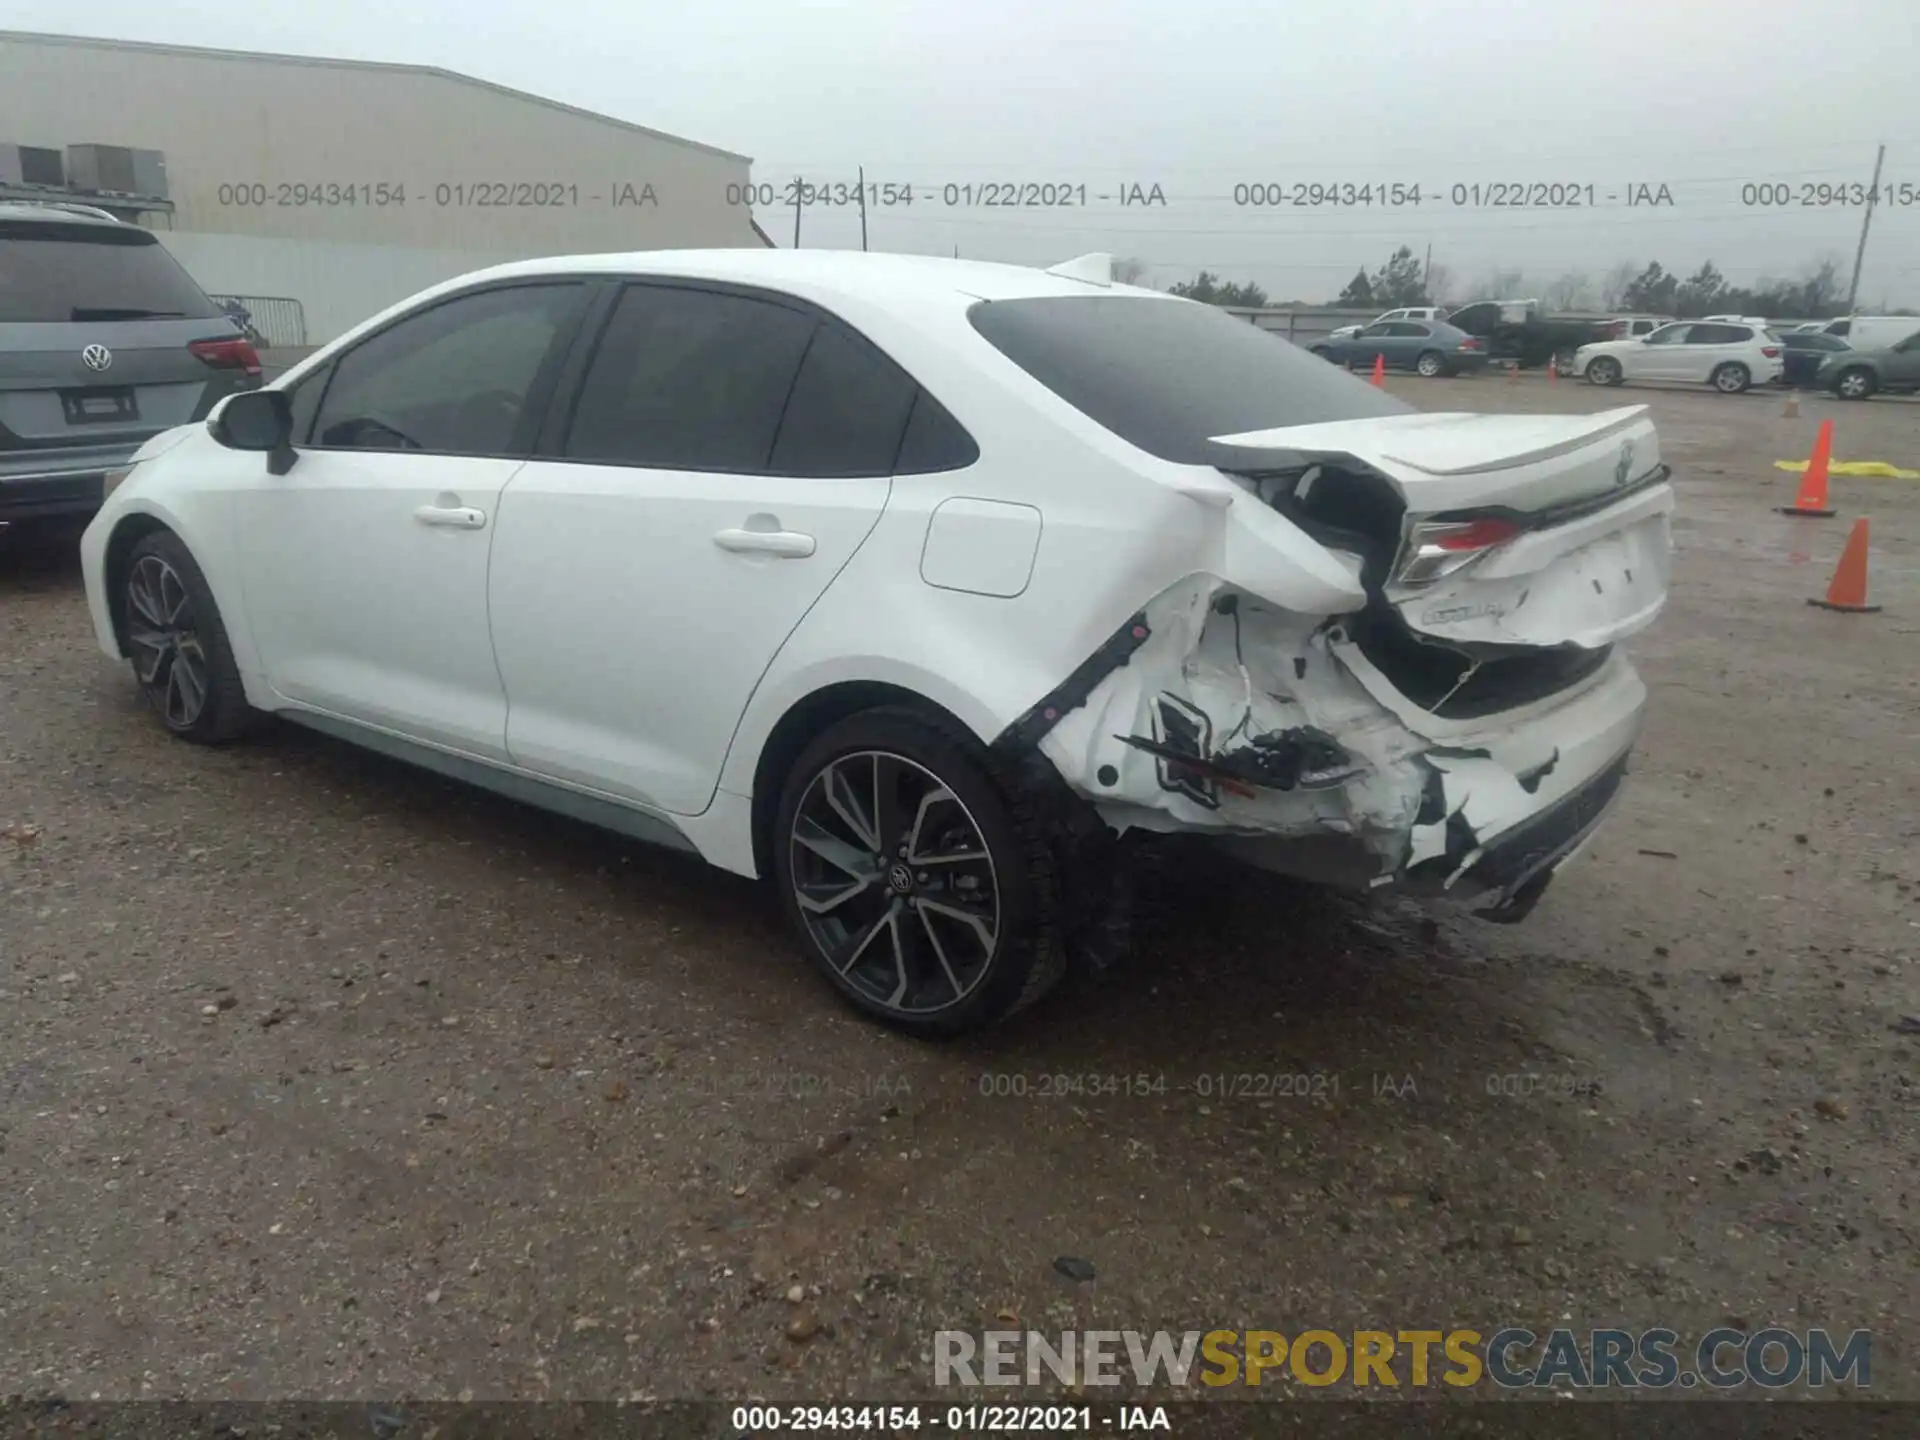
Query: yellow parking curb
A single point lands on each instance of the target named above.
(1878, 468)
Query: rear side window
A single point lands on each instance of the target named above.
(55, 273)
(1718, 334)
(847, 412)
(1167, 375)
(934, 441)
(689, 380)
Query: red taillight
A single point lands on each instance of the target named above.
(234, 354)
(1772, 352)
(1471, 535)
(1469, 344)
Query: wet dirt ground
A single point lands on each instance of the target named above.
(321, 1077)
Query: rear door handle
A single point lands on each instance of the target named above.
(452, 517)
(788, 544)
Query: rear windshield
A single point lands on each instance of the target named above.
(1169, 375)
(56, 272)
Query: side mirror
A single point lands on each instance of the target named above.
(259, 420)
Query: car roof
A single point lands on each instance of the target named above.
(72, 212)
(848, 273)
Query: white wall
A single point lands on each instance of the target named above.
(337, 284)
(298, 134)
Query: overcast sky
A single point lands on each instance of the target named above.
(1201, 96)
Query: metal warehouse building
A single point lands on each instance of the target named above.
(327, 189)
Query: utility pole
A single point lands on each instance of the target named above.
(1426, 274)
(798, 186)
(1860, 253)
(863, 207)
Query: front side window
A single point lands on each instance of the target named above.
(454, 379)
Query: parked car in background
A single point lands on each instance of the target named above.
(1428, 347)
(1406, 312)
(1631, 327)
(104, 342)
(1802, 353)
(1857, 374)
(1872, 332)
(925, 584)
(1729, 357)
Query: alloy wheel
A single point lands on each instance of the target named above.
(163, 633)
(1731, 379)
(1853, 385)
(894, 882)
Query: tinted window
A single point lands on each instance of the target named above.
(1840, 327)
(934, 440)
(55, 272)
(1408, 330)
(689, 380)
(1718, 334)
(847, 411)
(304, 400)
(455, 379)
(1166, 375)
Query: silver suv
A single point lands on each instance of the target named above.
(104, 342)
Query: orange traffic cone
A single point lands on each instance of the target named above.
(1812, 501)
(1848, 591)
(1380, 370)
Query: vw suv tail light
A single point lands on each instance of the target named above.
(235, 354)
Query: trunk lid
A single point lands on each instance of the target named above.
(1483, 533)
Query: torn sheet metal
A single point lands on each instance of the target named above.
(1236, 719)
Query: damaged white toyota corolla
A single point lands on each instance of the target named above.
(916, 586)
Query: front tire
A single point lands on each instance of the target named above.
(1604, 370)
(1733, 378)
(918, 881)
(1431, 364)
(178, 644)
(1855, 384)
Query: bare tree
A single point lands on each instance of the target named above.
(1129, 271)
(1569, 291)
(1502, 285)
(1613, 285)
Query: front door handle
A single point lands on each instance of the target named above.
(452, 517)
(788, 544)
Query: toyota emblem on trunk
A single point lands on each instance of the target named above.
(97, 357)
(1623, 467)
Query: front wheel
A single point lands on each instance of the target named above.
(919, 883)
(179, 646)
(1732, 378)
(1604, 370)
(1431, 364)
(1854, 384)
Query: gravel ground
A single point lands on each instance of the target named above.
(323, 1078)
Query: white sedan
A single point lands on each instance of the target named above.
(914, 586)
(1729, 357)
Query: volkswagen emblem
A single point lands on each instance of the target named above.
(1623, 467)
(97, 357)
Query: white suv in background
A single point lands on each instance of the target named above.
(1730, 357)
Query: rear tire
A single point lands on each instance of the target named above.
(1431, 364)
(178, 644)
(1604, 370)
(1732, 378)
(917, 879)
(1855, 384)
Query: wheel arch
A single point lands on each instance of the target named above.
(808, 717)
(117, 560)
